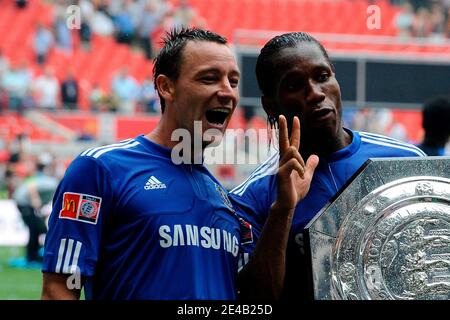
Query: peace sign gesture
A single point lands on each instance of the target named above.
(264, 275)
(294, 177)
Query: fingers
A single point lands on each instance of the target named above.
(295, 134)
(283, 135)
(311, 164)
(290, 166)
(284, 139)
(292, 154)
(292, 160)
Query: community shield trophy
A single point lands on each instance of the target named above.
(386, 234)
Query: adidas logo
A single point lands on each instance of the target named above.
(154, 183)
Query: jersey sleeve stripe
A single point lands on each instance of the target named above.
(76, 256)
(382, 138)
(390, 140)
(85, 152)
(261, 168)
(91, 151)
(99, 153)
(269, 171)
(118, 144)
(62, 246)
(68, 256)
(375, 135)
(381, 143)
(264, 166)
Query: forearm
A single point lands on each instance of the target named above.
(55, 288)
(263, 276)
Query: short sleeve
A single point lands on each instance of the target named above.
(82, 202)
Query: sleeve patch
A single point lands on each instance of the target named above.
(80, 207)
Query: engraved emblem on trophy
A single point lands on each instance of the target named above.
(393, 242)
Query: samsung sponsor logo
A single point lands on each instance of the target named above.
(191, 235)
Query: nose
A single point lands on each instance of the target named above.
(315, 93)
(227, 92)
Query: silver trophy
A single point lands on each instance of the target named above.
(386, 235)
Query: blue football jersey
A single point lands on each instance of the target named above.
(136, 226)
(254, 197)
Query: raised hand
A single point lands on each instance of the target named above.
(264, 276)
(294, 177)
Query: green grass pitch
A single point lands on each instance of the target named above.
(18, 284)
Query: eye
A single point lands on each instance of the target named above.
(292, 86)
(234, 82)
(323, 77)
(208, 79)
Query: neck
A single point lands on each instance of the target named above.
(186, 150)
(161, 136)
(325, 145)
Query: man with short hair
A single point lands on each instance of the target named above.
(135, 225)
(297, 79)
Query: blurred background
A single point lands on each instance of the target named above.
(76, 74)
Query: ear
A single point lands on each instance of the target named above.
(165, 87)
(269, 106)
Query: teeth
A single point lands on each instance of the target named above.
(222, 110)
(217, 115)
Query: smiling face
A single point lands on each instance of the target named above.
(206, 89)
(306, 87)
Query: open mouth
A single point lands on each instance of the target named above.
(217, 116)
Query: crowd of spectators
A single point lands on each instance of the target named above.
(21, 90)
(423, 19)
(134, 22)
(138, 23)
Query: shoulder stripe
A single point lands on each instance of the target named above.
(382, 138)
(381, 143)
(261, 168)
(391, 140)
(91, 151)
(270, 170)
(129, 145)
(376, 135)
(85, 152)
(119, 144)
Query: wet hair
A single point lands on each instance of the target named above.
(436, 117)
(168, 61)
(266, 62)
